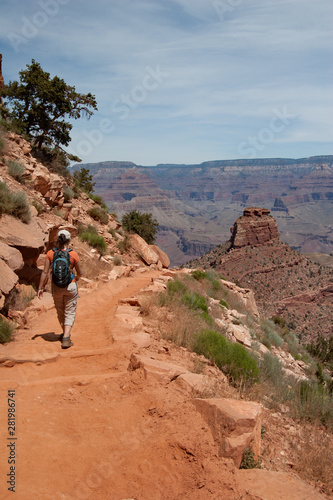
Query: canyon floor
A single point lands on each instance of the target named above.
(87, 427)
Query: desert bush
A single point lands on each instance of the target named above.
(5, 199)
(21, 207)
(68, 193)
(6, 330)
(198, 274)
(223, 303)
(124, 244)
(233, 359)
(23, 298)
(313, 402)
(194, 301)
(249, 461)
(117, 260)
(270, 334)
(91, 236)
(99, 214)
(142, 224)
(15, 204)
(99, 200)
(113, 233)
(176, 287)
(322, 349)
(17, 171)
(38, 206)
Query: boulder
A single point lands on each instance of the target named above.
(49, 185)
(239, 333)
(159, 369)
(235, 425)
(144, 250)
(164, 259)
(8, 279)
(29, 239)
(11, 256)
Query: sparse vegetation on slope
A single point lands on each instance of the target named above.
(15, 204)
(187, 298)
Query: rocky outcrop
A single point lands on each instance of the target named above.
(151, 254)
(255, 227)
(235, 425)
(164, 259)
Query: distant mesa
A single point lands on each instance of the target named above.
(255, 227)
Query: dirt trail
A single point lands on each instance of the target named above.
(87, 428)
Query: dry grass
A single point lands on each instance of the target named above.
(181, 324)
(91, 265)
(314, 457)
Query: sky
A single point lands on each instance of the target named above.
(184, 81)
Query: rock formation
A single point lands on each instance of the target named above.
(255, 227)
(284, 282)
(196, 204)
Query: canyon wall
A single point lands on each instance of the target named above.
(199, 203)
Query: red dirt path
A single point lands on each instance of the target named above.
(87, 428)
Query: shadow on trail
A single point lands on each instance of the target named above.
(48, 337)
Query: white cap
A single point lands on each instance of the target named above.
(65, 233)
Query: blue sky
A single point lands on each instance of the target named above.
(184, 81)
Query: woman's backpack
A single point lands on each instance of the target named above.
(61, 268)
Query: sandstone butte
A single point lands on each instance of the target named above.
(121, 414)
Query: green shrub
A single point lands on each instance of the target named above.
(142, 224)
(38, 206)
(249, 461)
(99, 214)
(223, 303)
(6, 330)
(194, 301)
(17, 171)
(124, 244)
(322, 349)
(15, 204)
(314, 402)
(5, 199)
(176, 287)
(68, 193)
(198, 275)
(117, 260)
(99, 200)
(270, 334)
(232, 359)
(206, 317)
(21, 207)
(89, 234)
(113, 233)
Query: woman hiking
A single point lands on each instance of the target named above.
(62, 260)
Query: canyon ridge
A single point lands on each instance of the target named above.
(195, 205)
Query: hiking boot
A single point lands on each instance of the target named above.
(66, 343)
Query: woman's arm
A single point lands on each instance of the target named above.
(78, 271)
(43, 278)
